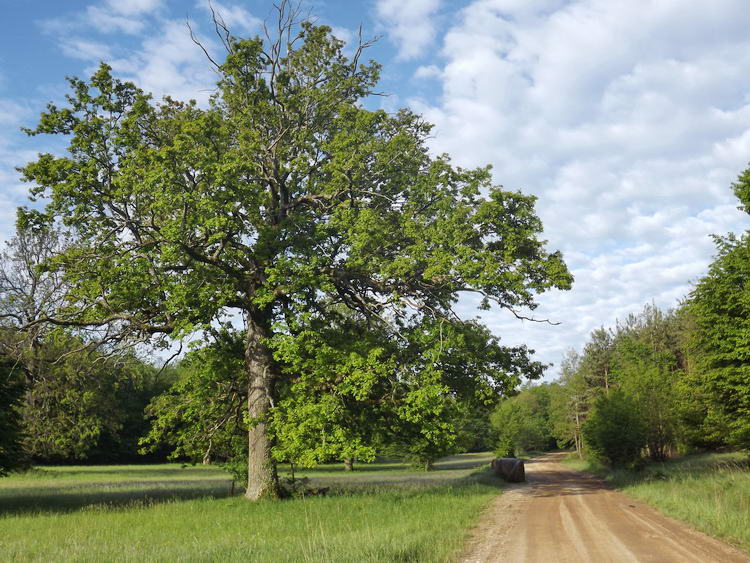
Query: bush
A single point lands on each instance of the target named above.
(614, 431)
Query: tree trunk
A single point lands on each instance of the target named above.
(349, 464)
(262, 480)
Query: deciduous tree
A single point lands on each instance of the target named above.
(286, 196)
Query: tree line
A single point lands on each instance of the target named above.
(658, 382)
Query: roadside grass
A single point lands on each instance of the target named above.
(709, 491)
(186, 514)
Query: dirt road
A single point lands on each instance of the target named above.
(561, 515)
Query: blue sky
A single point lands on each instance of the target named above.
(628, 119)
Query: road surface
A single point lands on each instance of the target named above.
(561, 515)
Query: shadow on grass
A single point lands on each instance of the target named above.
(411, 482)
(71, 496)
(104, 470)
(56, 500)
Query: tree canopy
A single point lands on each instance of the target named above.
(283, 201)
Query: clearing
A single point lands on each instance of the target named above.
(381, 512)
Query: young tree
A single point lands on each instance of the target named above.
(596, 359)
(646, 362)
(614, 431)
(201, 416)
(570, 400)
(282, 197)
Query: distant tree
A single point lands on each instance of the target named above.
(522, 422)
(73, 398)
(704, 424)
(570, 401)
(11, 389)
(201, 416)
(284, 196)
(82, 401)
(596, 359)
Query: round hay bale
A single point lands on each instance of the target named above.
(509, 468)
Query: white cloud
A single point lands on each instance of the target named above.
(113, 16)
(12, 113)
(410, 25)
(134, 7)
(237, 19)
(85, 50)
(429, 71)
(628, 119)
(106, 21)
(169, 63)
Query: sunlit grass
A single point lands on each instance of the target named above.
(136, 513)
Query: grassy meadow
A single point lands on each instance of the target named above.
(379, 512)
(709, 491)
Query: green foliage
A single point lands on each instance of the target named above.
(202, 416)
(720, 305)
(614, 431)
(647, 363)
(80, 403)
(286, 199)
(338, 397)
(11, 390)
(522, 423)
(596, 360)
(569, 403)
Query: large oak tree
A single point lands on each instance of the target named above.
(286, 197)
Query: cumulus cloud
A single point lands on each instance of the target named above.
(410, 25)
(629, 120)
(85, 50)
(113, 16)
(168, 62)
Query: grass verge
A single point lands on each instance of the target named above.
(709, 491)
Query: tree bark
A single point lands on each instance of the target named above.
(262, 480)
(349, 464)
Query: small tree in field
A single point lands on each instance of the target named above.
(281, 202)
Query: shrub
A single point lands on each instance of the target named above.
(614, 431)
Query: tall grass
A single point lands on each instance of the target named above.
(408, 522)
(709, 491)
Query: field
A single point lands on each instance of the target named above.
(709, 491)
(379, 512)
